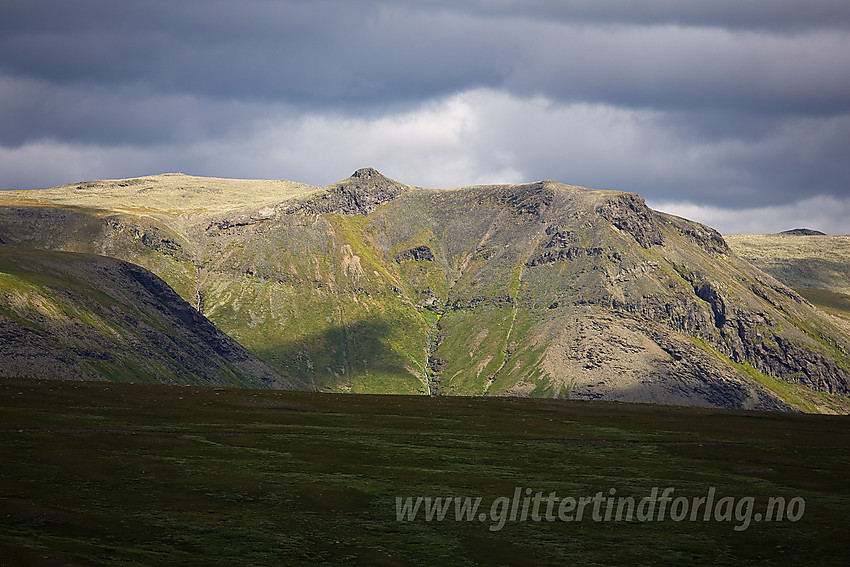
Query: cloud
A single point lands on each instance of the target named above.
(821, 212)
(775, 15)
(35, 110)
(486, 135)
(672, 67)
(373, 53)
(49, 163)
(480, 136)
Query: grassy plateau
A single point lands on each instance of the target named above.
(136, 474)
(816, 266)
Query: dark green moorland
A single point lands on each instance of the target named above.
(129, 474)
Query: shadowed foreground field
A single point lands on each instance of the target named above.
(124, 474)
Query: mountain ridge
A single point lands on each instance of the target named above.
(544, 289)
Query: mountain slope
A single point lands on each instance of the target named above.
(77, 316)
(539, 289)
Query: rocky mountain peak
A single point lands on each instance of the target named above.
(367, 173)
(360, 194)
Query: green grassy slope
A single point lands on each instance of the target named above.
(98, 474)
(834, 303)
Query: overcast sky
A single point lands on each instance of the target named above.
(735, 113)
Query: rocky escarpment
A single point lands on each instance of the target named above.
(753, 336)
(707, 294)
(748, 336)
(752, 319)
(527, 199)
(562, 246)
(703, 236)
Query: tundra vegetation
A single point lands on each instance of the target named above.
(99, 473)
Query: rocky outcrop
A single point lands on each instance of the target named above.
(564, 254)
(703, 236)
(750, 339)
(711, 294)
(417, 253)
(149, 235)
(563, 245)
(628, 212)
(530, 199)
(360, 194)
(217, 227)
(745, 336)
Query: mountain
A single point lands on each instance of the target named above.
(536, 289)
(77, 316)
(803, 232)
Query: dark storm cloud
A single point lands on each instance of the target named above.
(367, 52)
(673, 67)
(310, 52)
(774, 15)
(122, 114)
(726, 103)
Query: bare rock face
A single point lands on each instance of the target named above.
(530, 199)
(746, 336)
(629, 213)
(703, 236)
(149, 236)
(711, 294)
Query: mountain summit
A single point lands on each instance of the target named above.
(360, 194)
(803, 232)
(534, 289)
